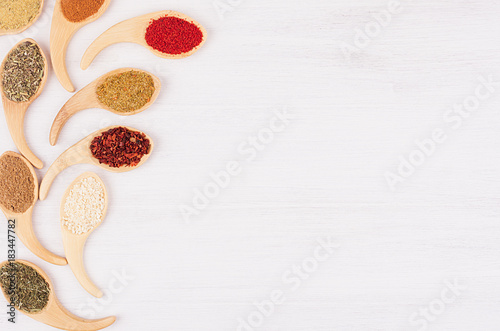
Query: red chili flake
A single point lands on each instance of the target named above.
(120, 147)
(173, 35)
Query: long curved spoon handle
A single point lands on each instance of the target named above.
(14, 115)
(24, 231)
(129, 31)
(61, 33)
(73, 246)
(79, 153)
(85, 98)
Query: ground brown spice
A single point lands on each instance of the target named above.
(79, 10)
(127, 91)
(16, 184)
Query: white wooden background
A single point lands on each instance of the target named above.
(321, 178)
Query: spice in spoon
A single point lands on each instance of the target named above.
(25, 287)
(84, 206)
(16, 14)
(127, 91)
(23, 71)
(17, 184)
(119, 147)
(79, 10)
(173, 35)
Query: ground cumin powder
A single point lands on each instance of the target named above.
(16, 184)
(16, 14)
(79, 10)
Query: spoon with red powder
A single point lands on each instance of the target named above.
(167, 34)
(115, 148)
(69, 16)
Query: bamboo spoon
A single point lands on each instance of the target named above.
(61, 32)
(22, 28)
(134, 31)
(15, 111)
(80, 153)
(87, 98)
(74, 243)
(55, 315)
(23, 221)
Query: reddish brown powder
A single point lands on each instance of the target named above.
(17, 185)
(79, 10)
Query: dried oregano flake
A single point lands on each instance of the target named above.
(23, 72)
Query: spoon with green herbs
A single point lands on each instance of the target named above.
(28, 288)
(23, 73)
(125, 91)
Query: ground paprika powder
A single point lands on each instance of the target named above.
(120, 147)
(173, 35)
(79, 10)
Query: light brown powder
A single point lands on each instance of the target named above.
(17, 184)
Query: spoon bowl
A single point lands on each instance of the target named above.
(23, 221)
(15, 111)
(55, 315)
(134, 31)
(61, 32)
(22, 28)
(75, 243)
(87, 98)
(81, 153)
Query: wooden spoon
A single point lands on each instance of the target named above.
(74, 243)
(15, 111)
(23, 222)
(55, 315)
(21, 29)
(87, 98)
(61, 32)
(134, 31)
(80, 153)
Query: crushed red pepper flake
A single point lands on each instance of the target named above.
(120, 147)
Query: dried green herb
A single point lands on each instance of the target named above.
(25, 287)
(23, 72)
(16, 14)
(126, 92)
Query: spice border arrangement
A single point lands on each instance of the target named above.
(61, 32)
(81, 153)
(22, 221)
(87, 98)
(134, 30)
(54, 314)
(88, 203)
(30, 22)
(15, 111)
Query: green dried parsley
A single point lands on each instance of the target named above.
(126, 92)
(23, 72)
(25, 287)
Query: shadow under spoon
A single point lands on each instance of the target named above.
(54, 314)
(87, 98)
(15, 111)
(22, 219)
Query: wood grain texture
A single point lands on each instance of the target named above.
(55, 315)
(323, 175)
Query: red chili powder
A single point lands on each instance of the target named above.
(120, 147)
(173, 35)
(79, 10)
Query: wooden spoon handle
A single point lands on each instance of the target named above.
(84, 99)
(61, 33)
(24, 231)
(123, 32)
(73, 247)
(79, 153)
(14, 115)
(58, 317)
